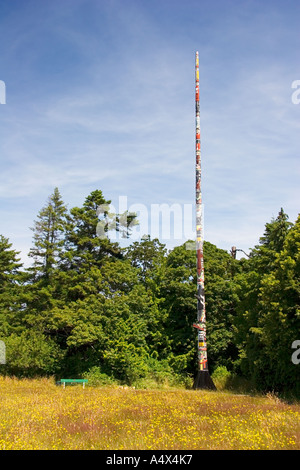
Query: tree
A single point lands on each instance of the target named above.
(263, 256)
(178, 292)
(179, 289)
(84, 246)
(279, 322)
(9, 263)
(249, 285)
(221, 301)
(10, 286)
(109, 321)
(30, 353)
(48, 236)
(149, 257)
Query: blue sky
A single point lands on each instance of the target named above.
(100, 95)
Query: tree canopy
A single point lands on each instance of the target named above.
(85, 304)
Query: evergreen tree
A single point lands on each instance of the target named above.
(48, 238)
(262, 263)
(86, 304)
(9, 263)
(279, 322)
(263, 256)
(10, 286)
(84, 246)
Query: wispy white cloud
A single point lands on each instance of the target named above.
(108, 102)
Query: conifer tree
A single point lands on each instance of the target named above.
(279, 322)
(271, 243)
(10, 281)
(262, 263)
(84, 248)
(88, 246)
(48, 238)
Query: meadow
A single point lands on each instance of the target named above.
(38, 414)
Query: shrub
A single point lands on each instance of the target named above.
(221, 377)
(97, 378)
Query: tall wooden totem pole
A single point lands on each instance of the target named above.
(203, 379)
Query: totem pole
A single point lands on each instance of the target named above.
(203, 379)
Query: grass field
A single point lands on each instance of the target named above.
(37, 414)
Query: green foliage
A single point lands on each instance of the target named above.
(229, 381)
(87, 308)
(178, 290)
(83, 247)
(220, 271)
(279, 322)
(149, 257)
(9, 263)
(267, 320)
(48, 235)
(98, 378)
(30, 354)
(221, 377)
(10, 287)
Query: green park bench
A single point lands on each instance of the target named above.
(66, 381)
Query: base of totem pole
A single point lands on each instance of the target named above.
(204, 381)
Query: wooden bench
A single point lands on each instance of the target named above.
(65, 381)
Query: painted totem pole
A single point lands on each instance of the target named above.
(203, 379)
